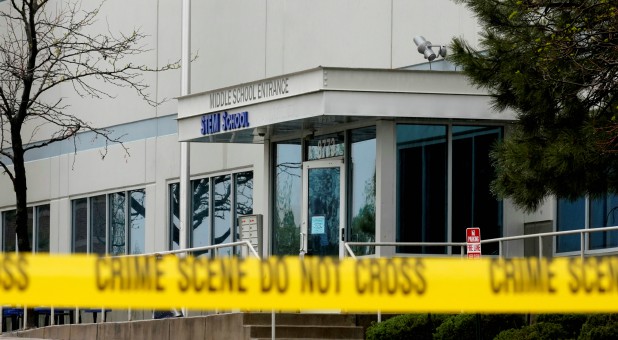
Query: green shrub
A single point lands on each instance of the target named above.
(538, 331)
(571, 323)
(463, 326)
(407, 326)
(599, 327)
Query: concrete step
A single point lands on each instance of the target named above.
(306, 332)
(304, 319)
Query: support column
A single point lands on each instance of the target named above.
(386, 186)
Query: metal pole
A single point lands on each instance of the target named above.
(185, 89)
(540, 247)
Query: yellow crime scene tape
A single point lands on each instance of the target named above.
(313, 283)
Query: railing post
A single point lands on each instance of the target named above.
(540, 247)
(500, 251)
(582, 245)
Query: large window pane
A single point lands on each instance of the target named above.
(117, 215)
(42, 223)
(421, 174)
(223, 212)
(80, 225)
(603, 213)
(571, 216)
(174, 222)
(363, 188)
(473, 203)
(137, 222)
(200, 229)
(287, 198)
(98, 217)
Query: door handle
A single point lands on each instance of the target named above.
(342, 234)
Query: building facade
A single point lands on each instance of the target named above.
(307, 114)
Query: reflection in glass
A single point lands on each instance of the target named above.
(174, 222)
(137, 221)
(422, 191)
(222, 214)
(473, 203)
(603, 213)
(117, 213)
(97, 224)
(80, 225)
(571, 216)
(244, 197)
(42, 233)
(324, 209)
(9, 225)
(287, 198)
(363, 188)
(200, 231)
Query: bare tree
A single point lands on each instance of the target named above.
(43, 46)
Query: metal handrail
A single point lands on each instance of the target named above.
(499, 240)
(202, 248)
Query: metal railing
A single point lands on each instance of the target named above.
(583, 251)
(246, 245)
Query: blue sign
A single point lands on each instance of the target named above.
(223, 121)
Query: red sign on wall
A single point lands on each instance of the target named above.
(473, 240)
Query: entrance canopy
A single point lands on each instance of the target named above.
(323, 97)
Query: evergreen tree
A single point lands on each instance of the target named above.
(555, 64)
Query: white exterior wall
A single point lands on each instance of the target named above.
(235, 41)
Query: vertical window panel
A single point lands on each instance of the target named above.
(80, 225)
(42, 228)
(603, 213)
(174, 216)
(9, 226)
(222, 231)
(98, 223)
(117, 219)
(363, 188)
(422, 191)
(287, 198)
(137, 222)
(200, 220)
(571, 216)
(473, 203)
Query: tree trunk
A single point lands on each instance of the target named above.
(21, 202)
(20, 187)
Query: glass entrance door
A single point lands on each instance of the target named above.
(323, 207)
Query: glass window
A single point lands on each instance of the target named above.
(363, 188)
(79, 210)
(603, 214)
(200, 231)
(137, 222)
(42, 228)
(117, 213)
(127, 223)
(174, 222)
(473, 203)
(422, 191)
(287, 198)
(571, 216)
(98, 223)
(9, 228)
(222, 231)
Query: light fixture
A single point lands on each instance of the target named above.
(425, 48)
